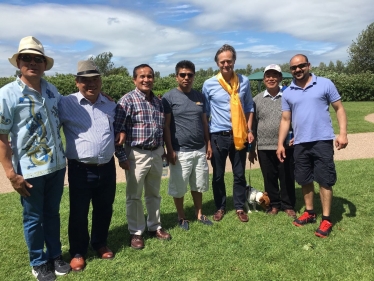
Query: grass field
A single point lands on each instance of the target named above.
(265, 248)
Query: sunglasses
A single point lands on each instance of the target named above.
(182, 75)
(301, 66)
(29, 58)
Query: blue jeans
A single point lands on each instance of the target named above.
(41, 217)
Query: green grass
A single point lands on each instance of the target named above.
(265, 248)
(356, 112)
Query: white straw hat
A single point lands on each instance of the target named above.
(31, 45)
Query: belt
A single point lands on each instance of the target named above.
(223, 133)
(151, 148)
(87, 164)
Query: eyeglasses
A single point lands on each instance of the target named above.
(301, 66)
(183, 75)
(29, 58)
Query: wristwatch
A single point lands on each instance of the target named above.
(249, 131)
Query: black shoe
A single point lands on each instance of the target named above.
(61, 267)
(43, 272)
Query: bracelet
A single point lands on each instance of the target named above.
(249, 131)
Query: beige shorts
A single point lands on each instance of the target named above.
(190, 168)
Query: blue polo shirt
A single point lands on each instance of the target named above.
(31, 120)
(311, 119)
(217, 104)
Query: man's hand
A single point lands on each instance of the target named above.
(209, 152)
(125, 165)
(19, 184)
(250, 137)
(120, 138)
(252, 156)
(291, 142)
(341, 141)
(171, 156)
(281, 153)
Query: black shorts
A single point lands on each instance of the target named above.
(314, 161)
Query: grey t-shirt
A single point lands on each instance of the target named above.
(186, 127)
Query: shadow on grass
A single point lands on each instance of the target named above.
(337, 207)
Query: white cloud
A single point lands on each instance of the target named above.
(163, 32)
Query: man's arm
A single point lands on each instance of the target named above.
(119, 120)
(206, 136)
(249, 118)
(283, 131)
(341, 140)
(18, 182)
(167, 139)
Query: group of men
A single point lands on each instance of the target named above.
(195, 127)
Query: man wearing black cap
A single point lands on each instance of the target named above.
(87, 118)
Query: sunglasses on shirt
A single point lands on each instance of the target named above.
(301, 66)
(189, 75)
(29, 58)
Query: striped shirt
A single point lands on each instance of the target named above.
(141, 120)
(88, 128)
(30, 119)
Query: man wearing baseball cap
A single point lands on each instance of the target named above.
(87, 118)
(268, 106)
(35, 162)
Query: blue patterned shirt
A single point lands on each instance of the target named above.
(31, 120)
(88, 128)
(143, 121)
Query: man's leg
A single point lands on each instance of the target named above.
(82, 180)
(140, 163)
(51, 224)
(152, 183)
(308, 194)
(33, 221)
(102, 205)
(326, 200)
(220, 147)
(238, 159)
(269, 168)
(198, 203)
(199, 181)
(287, 180)
(178, 202)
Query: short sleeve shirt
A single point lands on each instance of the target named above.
(31, 119)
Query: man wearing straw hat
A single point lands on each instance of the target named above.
(35, 162)
(87, 118)
(229, 108)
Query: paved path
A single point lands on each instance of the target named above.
(360, 146)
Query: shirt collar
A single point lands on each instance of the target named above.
(81, 97)
(266, 94)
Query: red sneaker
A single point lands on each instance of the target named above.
(324, 229)
(304, 219)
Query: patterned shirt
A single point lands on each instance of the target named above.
(141, 120)
(31, 120)
(88, 128)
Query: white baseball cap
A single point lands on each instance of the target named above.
(273, 67)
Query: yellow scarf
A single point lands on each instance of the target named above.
(239, 124)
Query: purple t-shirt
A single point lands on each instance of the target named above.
(309, 107)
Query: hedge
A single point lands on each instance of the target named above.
(356, 87)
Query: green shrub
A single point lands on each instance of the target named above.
(352, 87)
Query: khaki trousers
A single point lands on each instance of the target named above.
(145, 171)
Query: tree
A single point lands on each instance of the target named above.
(248, 69)
(339, 67)
(361, 52)
(157, 74)
(118, 71)
(103, 62)
(331, 66)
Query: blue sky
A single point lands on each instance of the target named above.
(161, 33)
